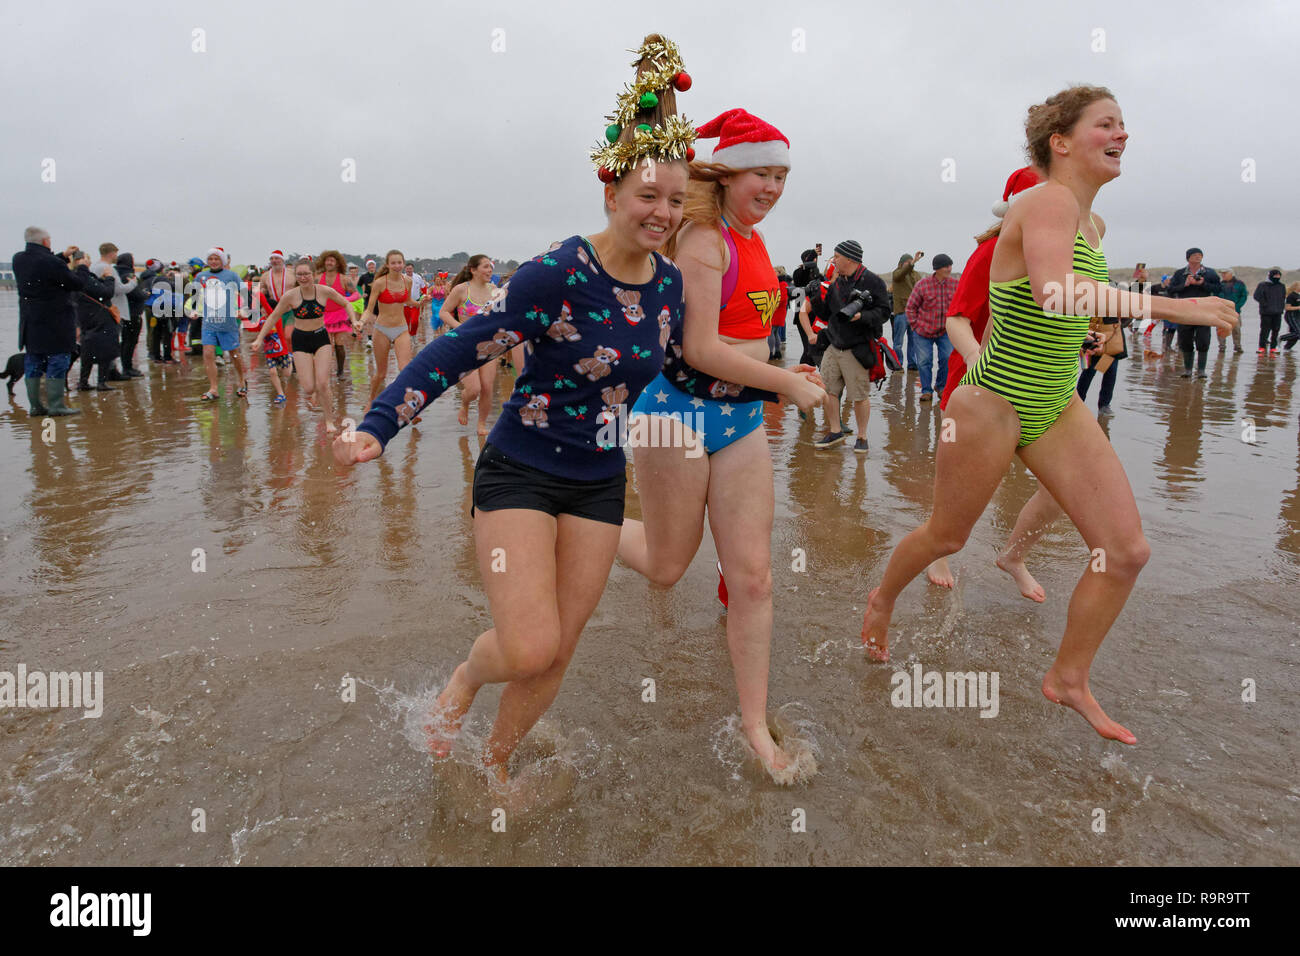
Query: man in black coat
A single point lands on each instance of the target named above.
(854, 307)
(47, 328)
(1194, 281)
(1271, 296)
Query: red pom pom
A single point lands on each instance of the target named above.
(690, 154)
(682, 81)
(606, 175)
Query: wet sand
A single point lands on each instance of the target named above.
(223, 688)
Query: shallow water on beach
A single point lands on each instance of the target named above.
(223, 688)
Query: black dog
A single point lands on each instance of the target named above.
(13, 371)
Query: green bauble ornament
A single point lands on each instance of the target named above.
(648, 101)
(646, 127)
(612, 131)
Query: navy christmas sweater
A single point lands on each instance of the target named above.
(597, 343)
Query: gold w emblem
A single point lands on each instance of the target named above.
(765, 303)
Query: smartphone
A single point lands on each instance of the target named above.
(1141, 265)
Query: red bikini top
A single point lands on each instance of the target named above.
(389, 298)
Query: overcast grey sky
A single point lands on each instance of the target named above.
(167, 151)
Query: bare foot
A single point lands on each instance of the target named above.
(1028, 586)
(462, 415)
(761, 740)
(939, 573)
(482, 428)
(1079, 698)
(875, 628)
(497, 772)
(444, 723)
(330, 427)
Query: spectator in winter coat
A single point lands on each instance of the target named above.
(47, 329)
(1234, 290)
(1194, 281)
(1271, 296)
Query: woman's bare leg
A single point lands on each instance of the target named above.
(967, 471)
(585, 550)
(673, 490)
(323, 391)
(380, 351)
(304, 365)
(516, 557)
(741, 506)
(1078, 466)
(1038, 514)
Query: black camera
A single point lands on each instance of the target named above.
(859, 301)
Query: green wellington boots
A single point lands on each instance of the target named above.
(55, 387)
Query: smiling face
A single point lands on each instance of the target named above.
(752, 194)
(396, 263)
(277, 263)
(647, 213)
(216, 263)
(304, 276)
(330, 264)
(1096, 143)
(483, 271)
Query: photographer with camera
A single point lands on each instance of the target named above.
(855, 306)
(47, 330)
(1194, 281)
(927, 311)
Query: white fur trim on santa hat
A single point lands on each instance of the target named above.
(217, 250)
(1002, 207)
(753, 155)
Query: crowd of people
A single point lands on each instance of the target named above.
(670, 318)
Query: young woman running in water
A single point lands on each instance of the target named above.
(716, 378)
(545, 485)
(389, 295)
(471, 294)
(1047, 277)
(309, 340)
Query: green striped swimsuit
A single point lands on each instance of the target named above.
(1032, 356)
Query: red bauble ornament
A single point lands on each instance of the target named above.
(605, 174)
(690, 154)
(682, 81)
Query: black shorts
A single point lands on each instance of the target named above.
(501, 482)
(309, 342)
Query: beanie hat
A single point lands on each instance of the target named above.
(940, 261)
(745, 141)
(850, 249)
(1020, 181)
(1192, 252)
(905, 257)
(808, 255)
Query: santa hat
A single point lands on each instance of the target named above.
(745, 141)
(1022, 180)
(150, 263)
(219, 251)
(370, 263)
(274, 253)
(617, 354)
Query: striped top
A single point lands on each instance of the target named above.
(1032, 356)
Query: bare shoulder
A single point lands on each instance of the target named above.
(1050, 205)
(703, 244)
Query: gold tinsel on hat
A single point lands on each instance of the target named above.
(671, 139)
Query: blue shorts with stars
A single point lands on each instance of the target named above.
(718, 421)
